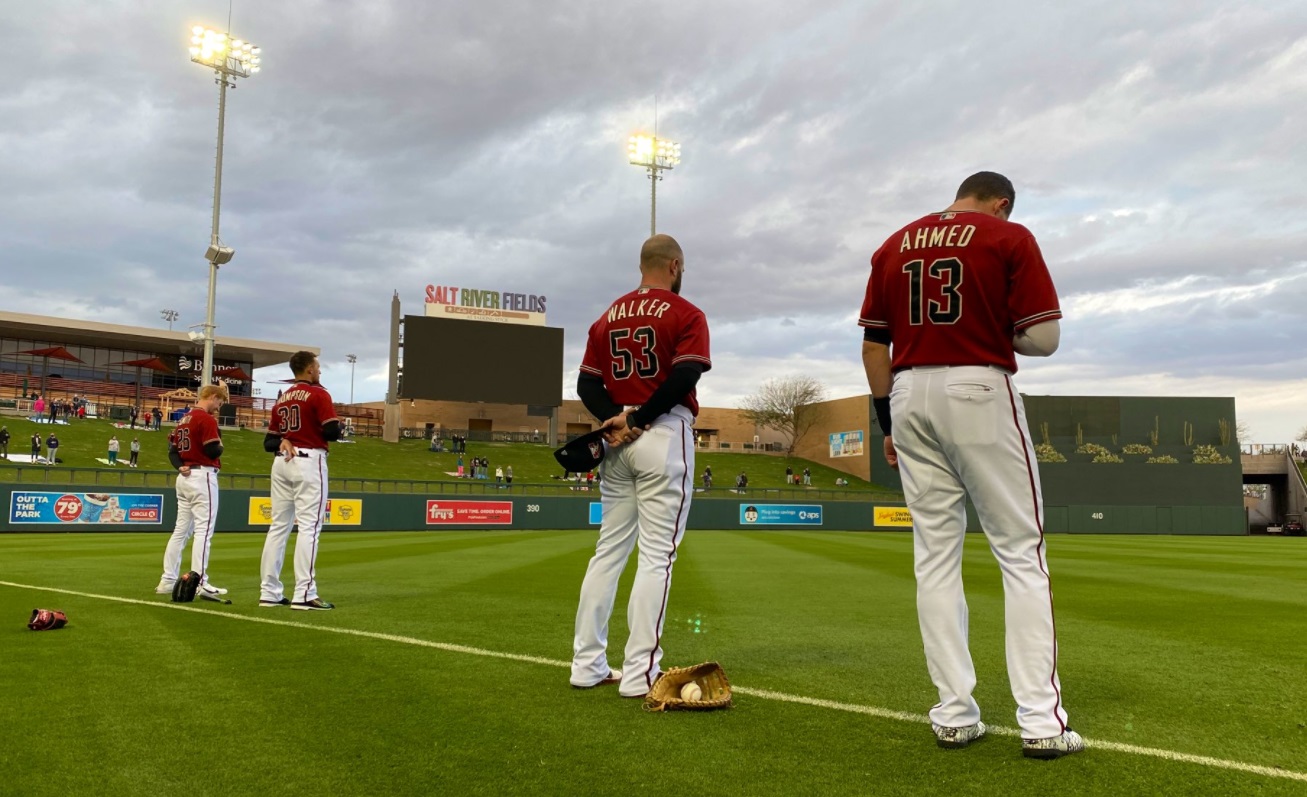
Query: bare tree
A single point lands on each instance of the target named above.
(1243, 433)
(1302, 435)
(787, 405)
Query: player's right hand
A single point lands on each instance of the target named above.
(287, 450)
(891, 456)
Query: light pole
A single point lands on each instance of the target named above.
(229, 59)
(170, 316)
(657, 155)
(352, 359)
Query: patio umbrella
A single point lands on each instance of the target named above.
(55, 352)
(153, 363)
(232, 372)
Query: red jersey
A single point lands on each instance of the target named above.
(300, 414)
(194, 431)
(637, 342)
(954, 287)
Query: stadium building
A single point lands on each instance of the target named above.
(113, 366)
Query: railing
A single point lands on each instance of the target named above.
(59, 476)
(1265, 449)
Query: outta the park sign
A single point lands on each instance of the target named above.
(473, 304)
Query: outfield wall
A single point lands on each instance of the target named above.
(47, 509)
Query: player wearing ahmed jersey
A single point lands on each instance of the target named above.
(642, 361)
(194, 449)
(956, 295)
(303, 424)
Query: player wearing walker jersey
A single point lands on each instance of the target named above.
(303, 424)
(642, 361)
(955, 295)
(194, 449)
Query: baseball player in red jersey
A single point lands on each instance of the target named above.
(194, 448)
(303, 423)
(957, 294)
(642, 361)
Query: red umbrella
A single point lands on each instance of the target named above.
(56, 352)
(153, 363)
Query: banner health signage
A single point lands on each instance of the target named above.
(100, 508)
(846, 444)
(340, 511)
(780, 514)
(471, 304)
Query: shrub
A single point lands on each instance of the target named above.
(1137, 448)
(1208, 455)
(1107, 456)
(1092, 448)
(1044, 452)
(1165, 459)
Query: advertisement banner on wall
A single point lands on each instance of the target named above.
(102, 508)
(596, 513)
(896, 517)
(780, 514)
(846, 444)
(469, 513)
(340, 511)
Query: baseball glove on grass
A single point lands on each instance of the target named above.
(709, 676)
(183, 591)
(47, 620)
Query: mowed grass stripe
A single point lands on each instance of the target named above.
(883, 713)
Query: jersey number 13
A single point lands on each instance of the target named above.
(941, 280)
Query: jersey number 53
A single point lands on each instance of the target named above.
(633, 352)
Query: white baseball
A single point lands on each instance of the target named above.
(691, 691)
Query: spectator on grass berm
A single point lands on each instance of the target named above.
(149, 420)
(36, 446)
(135, 413)
(807, 476)
(38, 406)
(54, 410)
(741, 482)
(113, 450)
(158, 418)
(4, 442)
(51, 448)
(460, 465)
(508, 474)
(789, 475)
(707, 478)
(499, 475)
(135, 449)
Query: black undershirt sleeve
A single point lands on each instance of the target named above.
(213, 450)
(175, 457)
(271, 442)
(590, 389)
(880, 336)
(331, 431)
(679, 383)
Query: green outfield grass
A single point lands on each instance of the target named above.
(1192, 645)
(82, 442)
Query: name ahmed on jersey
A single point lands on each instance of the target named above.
(958, 235)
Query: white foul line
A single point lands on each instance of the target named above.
(765, 694)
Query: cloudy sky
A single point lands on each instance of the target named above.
(1157, 150)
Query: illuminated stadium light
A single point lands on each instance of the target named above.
(656, 155)
(229, 58)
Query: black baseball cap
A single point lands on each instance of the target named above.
(583, 453)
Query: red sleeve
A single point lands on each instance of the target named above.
(873, 303)
(324, 406)
(274, 421)
(1032, 299)
(692, 345)
(592, 363)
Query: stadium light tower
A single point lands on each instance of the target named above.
(170, 316)
(657, 155)
(229, 59)
(351, 359)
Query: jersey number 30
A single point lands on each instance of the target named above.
(946, 274)
(289, 417)
(633, 351)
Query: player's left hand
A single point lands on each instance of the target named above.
(287, 450)
(891, 456)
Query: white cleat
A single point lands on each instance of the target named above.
(212, 590)
(164, 588)
(1053, 747)
(957, 738)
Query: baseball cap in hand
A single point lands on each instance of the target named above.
(582, 453)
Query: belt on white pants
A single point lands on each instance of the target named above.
(937, 368)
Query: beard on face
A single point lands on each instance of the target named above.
(676, 285)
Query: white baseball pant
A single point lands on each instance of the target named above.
(961, 431)
(299, 497)
(197, 513)
(646, 492)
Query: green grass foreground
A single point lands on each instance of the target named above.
(82, 442)
(1186, 644)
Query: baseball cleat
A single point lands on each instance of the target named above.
(1053, 747)
(316, 603)
(267, 603)
(957, 738)
(164, 588)
(213, 590)
(613, 677)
